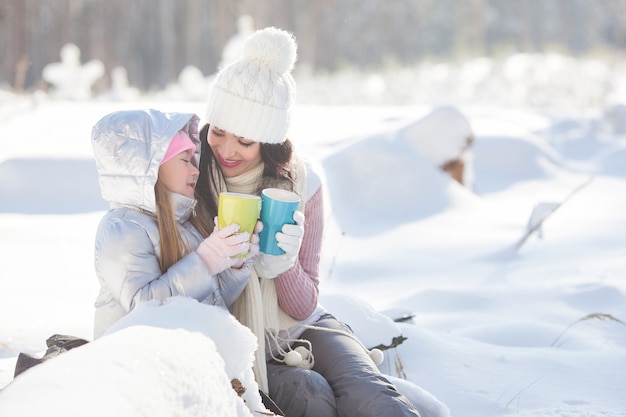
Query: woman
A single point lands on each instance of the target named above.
(245, 149)
(150, 244)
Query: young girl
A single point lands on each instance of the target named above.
(245, 149)
(149, 245)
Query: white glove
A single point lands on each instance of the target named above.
(289, 240)
(217, 250)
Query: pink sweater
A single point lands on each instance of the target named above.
(297, 288)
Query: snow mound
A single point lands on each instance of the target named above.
(500, 162)
(371, 327)
(70, 79)
(191, 350)
(381, 181)
(612, 163)
(440, 136)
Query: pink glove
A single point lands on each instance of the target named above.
(234, 279)
(217, 250)
(254, 246)
(289, 240)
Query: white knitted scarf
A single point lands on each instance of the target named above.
(257, 307)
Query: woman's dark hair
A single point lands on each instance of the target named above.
(206, 182)
(276, 157)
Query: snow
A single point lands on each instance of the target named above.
(71, 79)
(439, 136)
(177, 353)
(498, 330)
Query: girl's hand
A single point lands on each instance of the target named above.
(217, 250)
(254, 246)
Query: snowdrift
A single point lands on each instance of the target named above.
(381, 181)
(174, 359)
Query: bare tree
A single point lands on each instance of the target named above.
(155, 39)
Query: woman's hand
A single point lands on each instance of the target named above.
(289, 240)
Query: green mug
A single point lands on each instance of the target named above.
(243, 209)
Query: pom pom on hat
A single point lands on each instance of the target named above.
(181, 142)
(273, 48)
(253, 96)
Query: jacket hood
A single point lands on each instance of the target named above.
(129, 146)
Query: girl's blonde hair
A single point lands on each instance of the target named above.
(173, 247)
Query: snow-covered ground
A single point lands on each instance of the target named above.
(502, 326)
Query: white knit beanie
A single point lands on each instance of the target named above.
(253, 96)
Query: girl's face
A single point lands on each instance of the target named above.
(179, 174)
(234, 154)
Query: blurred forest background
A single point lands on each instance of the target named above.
(155, 39)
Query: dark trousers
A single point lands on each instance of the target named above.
(344, 382)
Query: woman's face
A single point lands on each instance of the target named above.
(179, 174)
(235, 155)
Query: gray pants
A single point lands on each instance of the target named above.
(344, 381)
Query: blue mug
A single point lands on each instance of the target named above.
(277, 209)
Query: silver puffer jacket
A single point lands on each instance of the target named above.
(129, 147)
